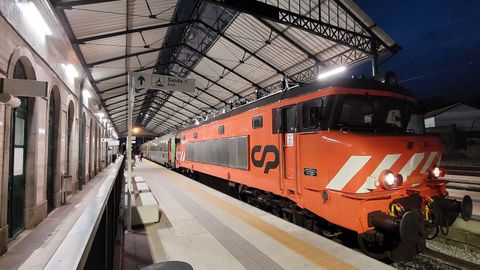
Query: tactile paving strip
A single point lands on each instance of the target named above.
(246, 254)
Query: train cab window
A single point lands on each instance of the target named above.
(257, 122)
(195, 135)
(312, 113)
(221, 130)
(376, 113)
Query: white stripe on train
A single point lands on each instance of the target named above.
(429, 162)
(411, 165)
(386, 164)
(353, 165)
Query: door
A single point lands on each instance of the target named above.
(289, 144)
(16, 180)
(51, 154)
(81, 153)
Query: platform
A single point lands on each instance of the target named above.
(34, 248)
(211, 230)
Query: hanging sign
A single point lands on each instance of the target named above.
(24, 88)
(163, 82)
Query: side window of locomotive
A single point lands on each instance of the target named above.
(257, 122)
(195, 135)
(312, 114)
(289, 122)
(221, 129)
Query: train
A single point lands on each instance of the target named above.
(336, 157)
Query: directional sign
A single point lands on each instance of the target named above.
(163, 82)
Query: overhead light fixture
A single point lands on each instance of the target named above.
(86, 93)
(332, 72)
(33, 16)
(70, 70)
(197, 122)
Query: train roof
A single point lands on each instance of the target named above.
(359, 83)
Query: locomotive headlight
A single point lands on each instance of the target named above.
(437, 172)
(389, 180)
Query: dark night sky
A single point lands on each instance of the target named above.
(440, 42)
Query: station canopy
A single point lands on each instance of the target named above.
(236, 51)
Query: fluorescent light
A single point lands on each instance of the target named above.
(331, 72)
(70, 70)
(86, 94)
(197, 122)
(33, 16)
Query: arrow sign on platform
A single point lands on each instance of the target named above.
(141, 80)
(163, 82)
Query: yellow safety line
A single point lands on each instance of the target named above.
(156, 248)
(302, 248)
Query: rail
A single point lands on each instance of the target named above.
(91, 242)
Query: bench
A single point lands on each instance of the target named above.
(144, 205)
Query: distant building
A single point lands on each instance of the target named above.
(463, 117)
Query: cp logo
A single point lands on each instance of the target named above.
(268, 149)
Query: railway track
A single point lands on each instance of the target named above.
(444, 261)
(469, 170)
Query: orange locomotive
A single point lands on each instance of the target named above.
(338, 155)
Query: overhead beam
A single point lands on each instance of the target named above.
(317, 27)
(291, 41)
(223, 66)
(113, 88)
(65, 4)
(206, 78)
(129, 31)
(243, 48)
(129, 56)
(121, 75)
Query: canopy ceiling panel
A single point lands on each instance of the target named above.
(226, 53)
(252, 38)
(255, 70)
(151, 12)
(233, 52)
(90, 20)
(234, 82)
(103, 48)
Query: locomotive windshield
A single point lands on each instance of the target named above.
(374, 113)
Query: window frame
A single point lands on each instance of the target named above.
(221, 129)
(260, 118)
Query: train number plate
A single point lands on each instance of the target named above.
(310, 171)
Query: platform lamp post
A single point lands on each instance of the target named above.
(131, 100)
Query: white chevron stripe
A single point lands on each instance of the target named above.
(411, 165)
(428, 162)
(346, 173)
(386, 163)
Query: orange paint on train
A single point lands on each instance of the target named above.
(326, 171)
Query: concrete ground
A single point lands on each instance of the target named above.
(211, 230)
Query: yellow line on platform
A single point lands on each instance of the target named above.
(302, 248)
